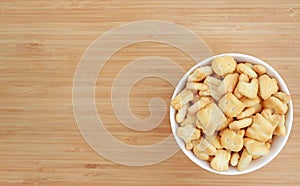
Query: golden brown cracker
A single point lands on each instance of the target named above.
(246, 69)
(256, 148)
(232, 140)
(234, 159)
(200, 73)
(250, 102)
(188, 133)
(196, 86)
(248, 89)
(261, 129)
(182, 99)
(239, 124)
(283, 97)
(223, 65)
(246, 113)
(201, 103)
(244, 161)
(221, 160)
(211, 117)
(259, 69)
(230, 105)
(267, 86)
(275, 104)
(229, 83)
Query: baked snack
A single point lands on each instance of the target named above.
(221, 160)
(267, 86)
(231, 105)
(229, 112)
(223, 65)
(232, 140)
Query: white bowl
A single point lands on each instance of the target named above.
(278, 142)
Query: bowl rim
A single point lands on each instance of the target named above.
(289, 114)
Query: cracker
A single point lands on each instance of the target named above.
(200, 154)
(192, 144)
(259, 69)
(250, 102)
(232, 140)
(258, 108)
(182, 99)
(267, 86)
(201, 103)
(180, 116)
(281, 128)
(230, 105)
(256, 157)
(283, 97)
(274, 119)
(200, 73)
(210, 118)
(249, 64)
(244, 161)
(200, 126)
(188, 133)
(246, 113)
(246, 69)
(212, 81)
(189, 120)
(226, 123)
(206, 93)
(261, 129)
(223, 65)
(237, 94)
(275, 104)
(196, 86)
(234, 159)
(248, 89)
(239, 124)
(256, 148)
(207, 147)
(229, 83)
(244, 78)
(215, 140)
(221, 160)
(213, 84)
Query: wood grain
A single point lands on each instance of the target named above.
(41, 45)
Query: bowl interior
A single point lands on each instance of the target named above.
(278, 142)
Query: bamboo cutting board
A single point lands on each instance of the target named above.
(42, 43)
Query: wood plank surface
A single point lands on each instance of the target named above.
(41, 44)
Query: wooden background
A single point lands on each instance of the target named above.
(41, 45)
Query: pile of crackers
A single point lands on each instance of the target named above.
(229, 113)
